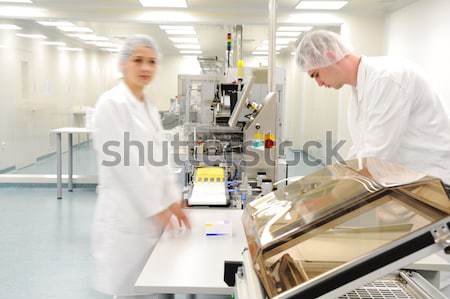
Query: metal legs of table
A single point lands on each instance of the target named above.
(70, 161)
(59, 164)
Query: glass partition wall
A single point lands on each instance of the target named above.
(47, 81)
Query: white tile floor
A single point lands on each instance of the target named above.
(84, 162)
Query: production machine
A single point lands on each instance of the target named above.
(214, 122)
(346, 231)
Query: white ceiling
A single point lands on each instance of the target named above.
(212, 19)
(219, 5)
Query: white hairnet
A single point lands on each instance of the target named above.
(315, 48)
(135, 41)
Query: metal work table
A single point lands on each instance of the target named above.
(69, 132)
(193, 263)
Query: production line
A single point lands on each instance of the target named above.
(353, 230)
(237, 124)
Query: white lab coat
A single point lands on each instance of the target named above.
(124, 233)
(395, 115)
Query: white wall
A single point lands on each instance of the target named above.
(420, 32)
(57, 83)
(165, 85)
(256, 61)
(312, 111)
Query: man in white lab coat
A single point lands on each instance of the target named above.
(136, 199)
(394, 113)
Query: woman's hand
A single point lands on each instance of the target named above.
(163, 217)
(177, 211)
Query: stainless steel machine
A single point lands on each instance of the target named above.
(223, 123)
(264, 126)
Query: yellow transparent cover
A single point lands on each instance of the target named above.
(336, 215)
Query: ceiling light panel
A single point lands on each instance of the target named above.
(262, 53)
(164, 3)
(181, 32)
(176, 27)
(295, 28)
(191, 52)
(75, 29)
(162, 16)
(32, 36)
(321, 5)
(184, 40)
(285, 41)
(288, 34)
(16, 1)
(54, 43)
(281, 41)
(56, 23)
(9, 27)
(266, 48)
(104, 44)
(89, 37)
(112, 50)
(22, 12)
(187, 47)
(70, 49)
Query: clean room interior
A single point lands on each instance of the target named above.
(53, 74)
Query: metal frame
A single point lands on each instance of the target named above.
(242, 101)
(59, 163)
(247, 282)
(249, 287)
(59, 152)
(421, 285)
(357, 278)
(398, 285)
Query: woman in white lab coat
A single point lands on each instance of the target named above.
(136, 199)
